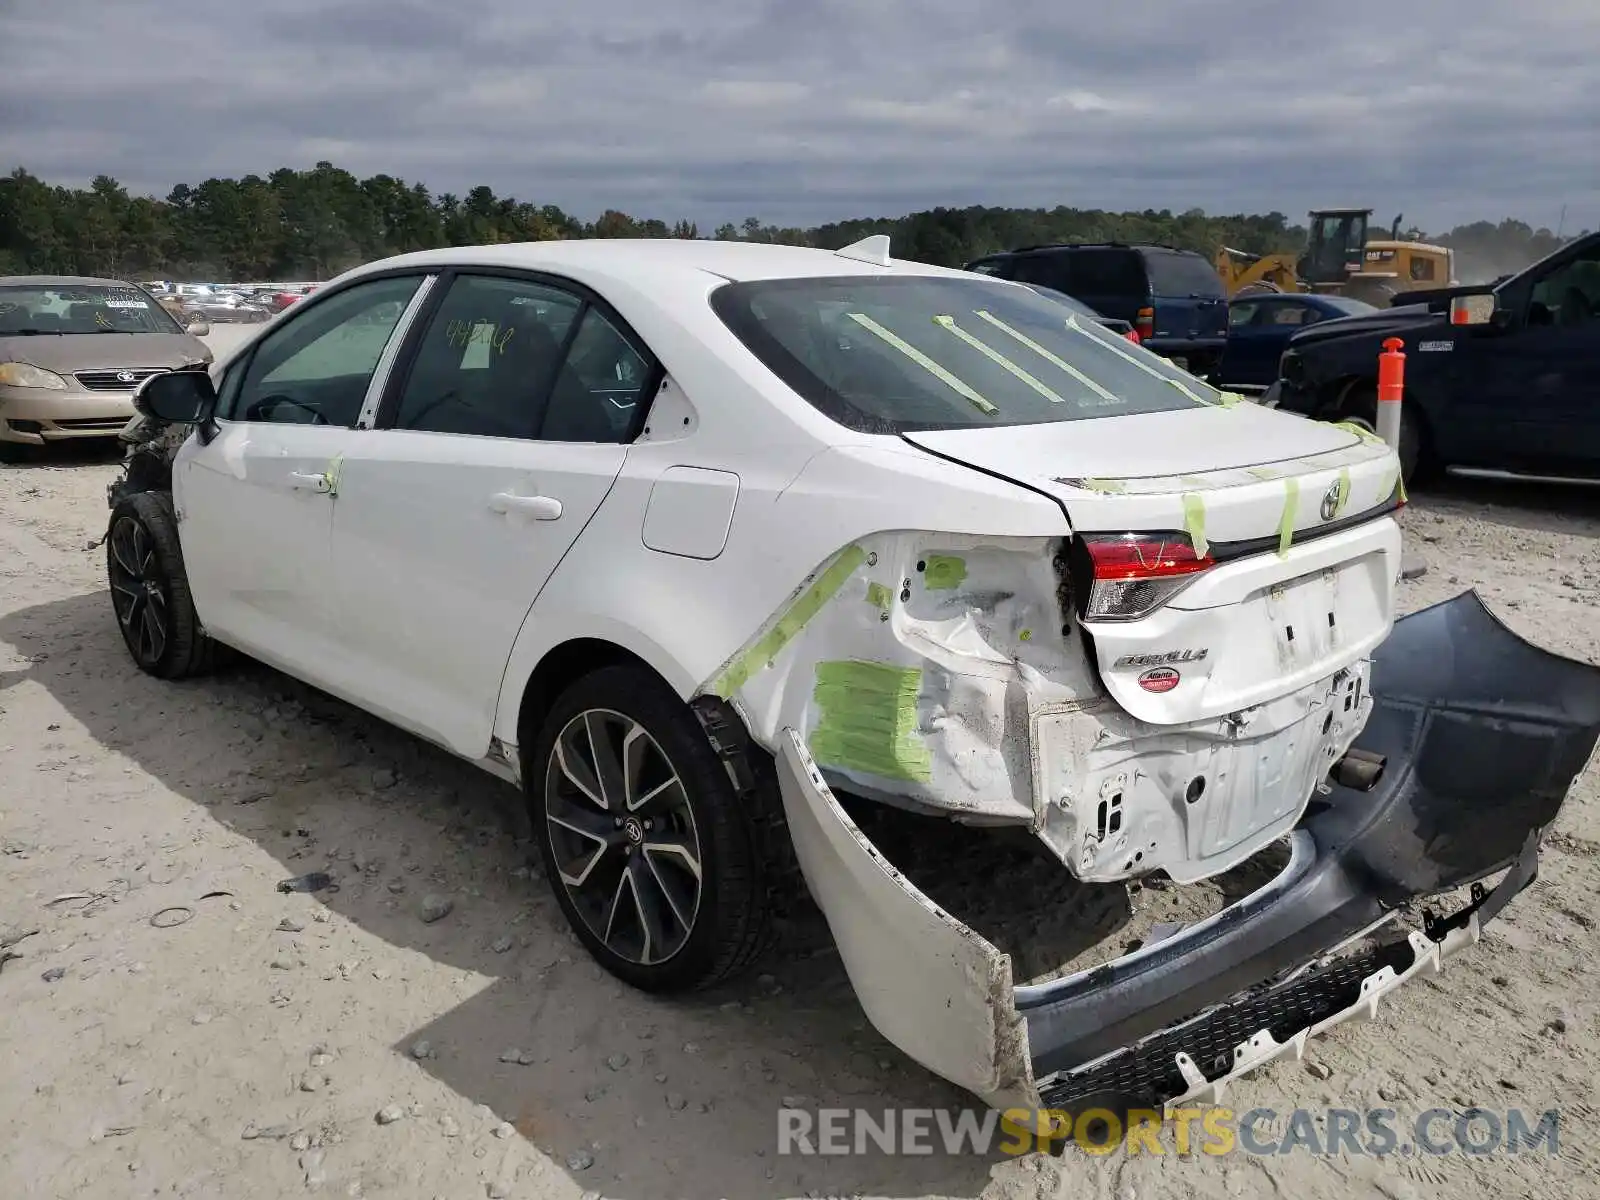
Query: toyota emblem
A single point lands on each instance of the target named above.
(126, 377)
(1332, 501)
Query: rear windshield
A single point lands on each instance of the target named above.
(1175, 274)
(900, 353)
(81, 308)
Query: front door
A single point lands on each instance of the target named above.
(512, 423)
(1536, 396)
(257, 502)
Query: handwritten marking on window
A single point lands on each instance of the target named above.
(461, 334)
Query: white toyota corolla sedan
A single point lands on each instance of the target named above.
(690, 538)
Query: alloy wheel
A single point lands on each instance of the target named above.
(623, 836)
(138, 592)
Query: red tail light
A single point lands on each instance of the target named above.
(1145, 323)
(1136, 573)
(1133, 336)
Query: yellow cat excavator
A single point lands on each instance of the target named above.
(1339, 258)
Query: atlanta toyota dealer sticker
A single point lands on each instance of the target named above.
(1159, 679)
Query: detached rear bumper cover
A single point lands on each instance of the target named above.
(1483, 735)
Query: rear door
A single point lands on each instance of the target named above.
(1259, 330)
(497, 444)
(1187, 294)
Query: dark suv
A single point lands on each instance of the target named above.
(1174, 299)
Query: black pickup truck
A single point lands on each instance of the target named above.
(1508, 386)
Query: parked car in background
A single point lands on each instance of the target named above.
(1260, 326)
(947, 554)
(1174, 299)
(1500, 379)
(1082, 309)
(72, 351)
(219, 305)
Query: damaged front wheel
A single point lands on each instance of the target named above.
(643, 836)
(150, 590)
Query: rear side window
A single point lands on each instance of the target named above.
(1173, 273)
(898, 353)
(1047, 270)
(1107, 273)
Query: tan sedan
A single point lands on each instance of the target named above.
(72, 351)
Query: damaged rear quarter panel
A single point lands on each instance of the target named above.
(911, 664)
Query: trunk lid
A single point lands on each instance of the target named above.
(1289, 515)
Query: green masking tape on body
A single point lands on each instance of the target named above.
(793, 619)
(1366, 435)
(1230, 399)
(1291, 502)
(868, 720)
(1344, 489)
(878, 596)
(940, 373)
(1194, 523)
(1265, 474)
(1109, 487)
(944, 572)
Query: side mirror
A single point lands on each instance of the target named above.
(198, 326)
(1473, 310)
(179, 398)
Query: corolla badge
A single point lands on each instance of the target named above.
(126, 377)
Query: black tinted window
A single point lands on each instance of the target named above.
(1047, 269)
(487, 358)
(1107, 273)
(1176, 274)
(885, 354)
(600, 388)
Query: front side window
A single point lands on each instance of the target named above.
(897, 353)
(315, 369)
(1570, 293)
(81, 308)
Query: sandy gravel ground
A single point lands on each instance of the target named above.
(250, 1050)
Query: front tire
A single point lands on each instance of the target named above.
(150, 589)
(645, 842)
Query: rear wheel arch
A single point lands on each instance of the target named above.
(559, 669)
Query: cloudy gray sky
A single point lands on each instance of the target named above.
(801, 111)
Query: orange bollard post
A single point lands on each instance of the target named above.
(1391, 387)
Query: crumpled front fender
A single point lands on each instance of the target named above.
(1482, 735)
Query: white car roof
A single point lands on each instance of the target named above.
(636, 260)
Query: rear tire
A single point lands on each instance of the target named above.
(150, 589)
(649, 849)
